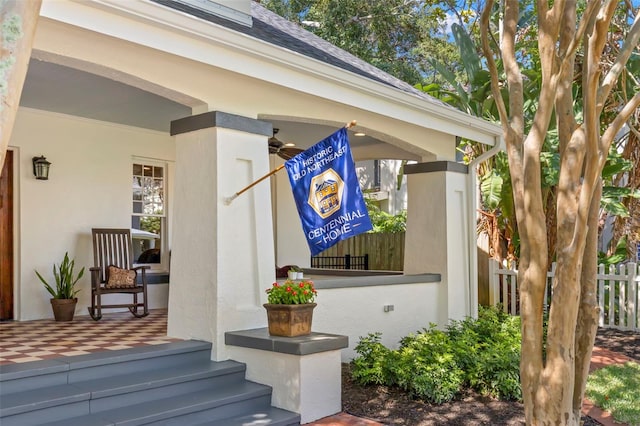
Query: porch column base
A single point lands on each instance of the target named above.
(304, 372)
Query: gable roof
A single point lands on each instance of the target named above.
(274, 29)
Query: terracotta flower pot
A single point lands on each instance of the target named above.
(289, 320)
(64, 309)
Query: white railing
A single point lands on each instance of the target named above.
(618, 293)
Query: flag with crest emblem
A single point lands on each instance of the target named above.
(327, 193)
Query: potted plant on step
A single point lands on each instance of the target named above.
(290, 308)
(64, 293)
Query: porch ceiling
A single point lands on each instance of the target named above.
(58, 88)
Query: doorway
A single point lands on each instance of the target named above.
(6, 238)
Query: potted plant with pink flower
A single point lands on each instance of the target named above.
(290, 308)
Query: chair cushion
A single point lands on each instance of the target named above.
(119, 278)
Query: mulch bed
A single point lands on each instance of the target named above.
(391, 406)
(624, 342)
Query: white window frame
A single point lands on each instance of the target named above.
(163, 266)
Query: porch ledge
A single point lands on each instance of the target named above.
(155, 278)
(372, 280)
(259, 338)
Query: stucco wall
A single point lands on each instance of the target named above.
(89, 186)
(357, 311)
(436, 239)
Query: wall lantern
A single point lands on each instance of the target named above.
(41, 167)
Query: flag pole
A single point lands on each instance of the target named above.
(229, 200)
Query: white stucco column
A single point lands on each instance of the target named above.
(222, 255)
(437, 238)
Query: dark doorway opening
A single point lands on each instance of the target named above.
(6, 238)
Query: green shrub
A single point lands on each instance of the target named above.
(371, 366)
(426, 368)
(488, 351)
(434, 365)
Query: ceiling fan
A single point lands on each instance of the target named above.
(281, 149)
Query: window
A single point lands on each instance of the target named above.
(148, 220)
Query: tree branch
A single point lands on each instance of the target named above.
(595, 39)
(565, 118)
(552, 16)
(625, 113)
(512, 68)
(630, 43)
(579, 34)
(491, 64)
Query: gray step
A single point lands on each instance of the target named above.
(103, 364)
(42, 399)
(270, 416)
(39, 374)
(211, 404)
(126, 389)
(168, 384)
(223, 372)
(32, 375)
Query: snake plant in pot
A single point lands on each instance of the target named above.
(63, 301)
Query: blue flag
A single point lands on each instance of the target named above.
(327, 193)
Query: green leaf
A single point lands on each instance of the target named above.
(491, 188)
(614, 207)
(550, 164)
(468, 52)
(613, 168)
(64, 278)
(619, 192)
(451, 79)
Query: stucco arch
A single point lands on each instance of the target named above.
(121, 77)
(378, 142)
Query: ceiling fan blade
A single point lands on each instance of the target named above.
(288, 153)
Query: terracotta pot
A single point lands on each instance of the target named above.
(64, 309)
(289, 320)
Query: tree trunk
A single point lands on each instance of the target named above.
(553, 387)
(587, 324)
(18, 24)
(553, 401)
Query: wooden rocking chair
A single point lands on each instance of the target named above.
(114, 272)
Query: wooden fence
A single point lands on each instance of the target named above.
(618, 293)
(386, 251)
